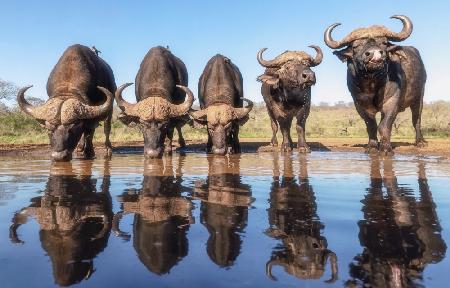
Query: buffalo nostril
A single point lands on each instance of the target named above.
(304, 76)
(367, 54)
(381, 52)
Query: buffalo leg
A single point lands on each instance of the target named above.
(88, 151)
(81, 144)
(302, 115)
(181, 140)
(388, 115)
(285, 126)
(371, 126)
(209, 144)
(168, 144)
(274, 125)
(107, 131)
(235, 145)
(416, 111)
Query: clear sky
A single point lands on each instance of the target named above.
(35, 34)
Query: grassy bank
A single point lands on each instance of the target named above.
(339, 121)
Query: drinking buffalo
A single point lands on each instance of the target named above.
(80, 89)
(220, 93)
(302, 251)
(286, 89)
(74, 221)
(161, 100)
(382, 77)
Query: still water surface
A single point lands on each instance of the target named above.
(255, 220)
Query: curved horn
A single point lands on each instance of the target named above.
(115, 226)
(35, 112)
(181, 109)
(18, 219)
(242, 112)
(269, 269)
(23, 104)
(319, 56)
(334, 267)
(329, 40)
(123, 105)
(85, 111)
(199, 114)
(264, 63)
(406, 31)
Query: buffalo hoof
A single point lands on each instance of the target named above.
(286, 147)
(182, 143)
(386, 149)
(108, 152)
(304, 149)
(372, 147)
(421, 143)
(372, 150)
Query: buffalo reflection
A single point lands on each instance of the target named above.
(162, 216)
(224, 208)
(293, 218)
(74, 220)
(400, 234)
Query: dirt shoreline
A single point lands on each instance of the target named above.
(436, 147)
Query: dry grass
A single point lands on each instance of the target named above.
(339, 121)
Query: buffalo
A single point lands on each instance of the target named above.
(224, 208)
(74, 219)
(220, 94)
(382, 77)
(161, 100)
(286, 89)
(293, 218)
(400, 232)
(80, 89)
(162, 216)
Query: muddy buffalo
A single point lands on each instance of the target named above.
(286, 89)
(74, 220)
(220, 93)
(161, 100)
(80, 89)
(293, 218)
(382, 77)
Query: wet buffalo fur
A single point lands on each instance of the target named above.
(77, 74)
(396, 83)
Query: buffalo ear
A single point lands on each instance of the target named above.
(344, 54)
(269, 79)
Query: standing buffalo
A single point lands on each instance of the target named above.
(220, 93)
(160, 105)
(80, 89)
(382, 77)
(286, 89)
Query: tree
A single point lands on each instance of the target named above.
(8, 90)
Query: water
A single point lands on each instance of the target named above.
(255, 220)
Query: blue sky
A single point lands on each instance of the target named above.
(35, 34)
